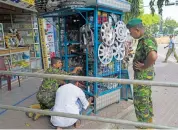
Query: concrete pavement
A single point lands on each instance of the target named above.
(26, 95)
(165, 101)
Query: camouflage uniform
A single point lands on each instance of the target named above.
(171, 50)
(142, 93)
(48, 88)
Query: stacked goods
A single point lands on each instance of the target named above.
(50, 5)
(22, 64)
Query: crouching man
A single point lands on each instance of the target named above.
(47, 91)
(69, 99)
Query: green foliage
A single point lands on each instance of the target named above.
(154, 28)
(151, 22)
(176, 32)
(170, 23)
(149, 19)
(136, 10)
(169, 26)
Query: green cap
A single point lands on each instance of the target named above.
(134, 22)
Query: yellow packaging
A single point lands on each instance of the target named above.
(99, 13)
(26, 1)
(30, 2)
(104, 14)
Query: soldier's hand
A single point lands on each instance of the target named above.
(78, 68)
(139, 66)
(90, 100)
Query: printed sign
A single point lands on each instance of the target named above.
(50, 37)
(43, 44)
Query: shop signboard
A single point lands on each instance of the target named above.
(50, 37)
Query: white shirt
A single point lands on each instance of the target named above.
(22, 42)
(66, 101)
(171, 43)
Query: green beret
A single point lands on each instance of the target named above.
(134, 22)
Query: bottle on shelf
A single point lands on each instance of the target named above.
(91, 19)
(99, 17)
(104, 17)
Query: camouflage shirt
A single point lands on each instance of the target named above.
(48, 88)
(145, 45)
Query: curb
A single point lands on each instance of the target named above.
(121, 115)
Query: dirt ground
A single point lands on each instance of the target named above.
(162, 40)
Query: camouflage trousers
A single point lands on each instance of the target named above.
(142, 97)
(169, 52)
(46, 99)
(143, 103)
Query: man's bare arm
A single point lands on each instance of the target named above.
(151, 59)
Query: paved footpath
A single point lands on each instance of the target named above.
(26, 95)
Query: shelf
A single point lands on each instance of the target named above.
(73, 42)
(16, 22)
(70, 56)
(16, 69)
(13, 51)
(24, 29)
(36, 43)
(35, 58)
(108, 74)
(27, 36)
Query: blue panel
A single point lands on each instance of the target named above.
(65, 48)
(85, 9)
(108, 74)
(95, 54)
(89, 111)
(95, 49)
(87, 52)
(95, 42)
(69, 56)
(110, 11)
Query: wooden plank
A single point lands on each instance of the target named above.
(4, 52)
(13, 50)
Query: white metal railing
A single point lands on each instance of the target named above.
(90, 79)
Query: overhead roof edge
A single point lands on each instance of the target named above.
(21, 5)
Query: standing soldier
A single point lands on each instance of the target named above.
(143, 66)
(171, 49)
